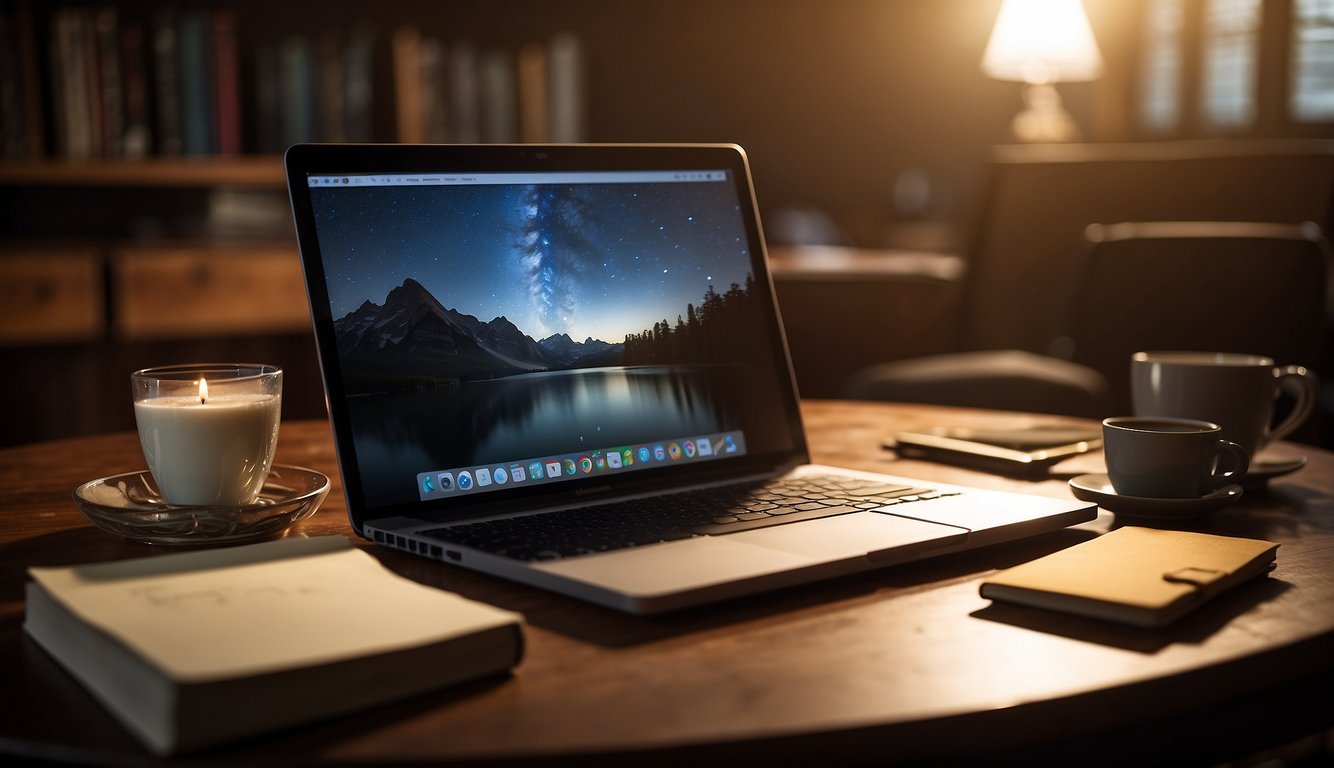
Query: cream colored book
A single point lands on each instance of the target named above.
(1141, 576)
(193, 649)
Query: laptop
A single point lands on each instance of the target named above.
(564, 365)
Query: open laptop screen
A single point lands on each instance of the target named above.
(503, 333)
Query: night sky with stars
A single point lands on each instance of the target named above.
(590, 260)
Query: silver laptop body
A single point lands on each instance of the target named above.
(524, 344)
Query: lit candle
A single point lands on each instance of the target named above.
(207, 448)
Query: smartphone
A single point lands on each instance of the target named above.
(1027, 450)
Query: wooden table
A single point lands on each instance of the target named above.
(904, 664)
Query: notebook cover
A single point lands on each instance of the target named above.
(1140, 576)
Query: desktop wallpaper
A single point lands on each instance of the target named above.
(485, 323)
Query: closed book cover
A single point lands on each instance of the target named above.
(1140, 576)
(195, 649)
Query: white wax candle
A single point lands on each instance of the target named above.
(209, 452)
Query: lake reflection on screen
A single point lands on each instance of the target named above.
(528, 416)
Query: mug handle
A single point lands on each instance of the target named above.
(1301, 384)
(1240, 461)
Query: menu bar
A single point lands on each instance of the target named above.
(527, 177)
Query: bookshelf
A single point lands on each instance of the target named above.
(257, 171)
(146, 219)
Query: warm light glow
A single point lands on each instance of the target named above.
(1042, 41)
(203, 389)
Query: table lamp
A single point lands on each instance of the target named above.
(1040, 43)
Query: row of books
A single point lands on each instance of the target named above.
(127, 88)
(96, 83)
(454, 93)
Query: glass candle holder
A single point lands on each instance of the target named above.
(208, 430)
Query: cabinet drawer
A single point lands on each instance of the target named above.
(179, 293)
(51, 296)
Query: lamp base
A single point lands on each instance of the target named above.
(1044, 119)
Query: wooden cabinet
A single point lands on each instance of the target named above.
(51, 296)
(177, 293)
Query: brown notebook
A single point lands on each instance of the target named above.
(1139, 576)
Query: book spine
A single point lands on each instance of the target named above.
(332, 88)
(359, 76)
(93, 84)
(297, 90)
(567, 90)
(138, 136)
(197, 99)
(11, 89)
(30, 78)
(498, 111)
(268, 98)
(227, 90)
(406, 47)
(112, 98)
(167, 84)
(434, 97)
(71, 76)
(534, 117)
(466, 125)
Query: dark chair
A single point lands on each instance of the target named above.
(1025, 266)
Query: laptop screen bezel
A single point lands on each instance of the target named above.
(304, 160)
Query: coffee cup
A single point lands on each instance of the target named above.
(1235, 391)
(1161, 458)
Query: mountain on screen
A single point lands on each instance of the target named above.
(413, 341)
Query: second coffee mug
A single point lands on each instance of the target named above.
(1235, 391)
(1169, 458)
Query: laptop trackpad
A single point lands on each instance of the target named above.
(876, 536)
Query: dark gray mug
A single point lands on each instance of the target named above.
(1160, 458)
(1236, 392)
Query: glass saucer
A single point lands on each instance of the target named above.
(1098, 489)
(129, 505)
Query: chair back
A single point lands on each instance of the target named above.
(1256, 288)
(1023, 266)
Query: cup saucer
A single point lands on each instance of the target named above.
(130, 505)
(1098, 489)
(1263, 470)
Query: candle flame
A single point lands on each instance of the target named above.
(203, 390)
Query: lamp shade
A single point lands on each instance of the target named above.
(1042, 41)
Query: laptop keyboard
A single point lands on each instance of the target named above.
(706, 512)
